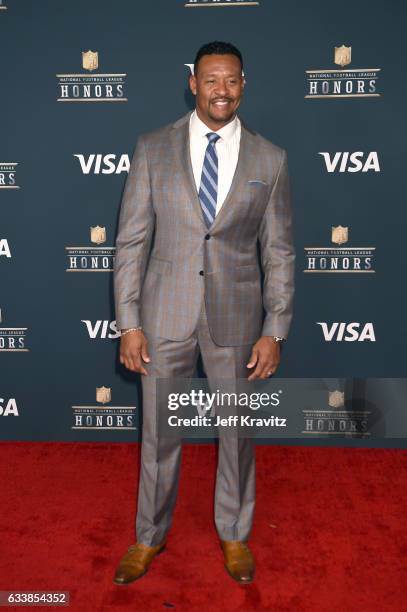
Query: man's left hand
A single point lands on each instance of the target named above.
(265, 356)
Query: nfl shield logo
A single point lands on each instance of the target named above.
(90, 60)
(343, 55)
(339, 234)
(98, 234)
(103, 395)
(336, 399)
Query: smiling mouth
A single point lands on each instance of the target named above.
(221, 103)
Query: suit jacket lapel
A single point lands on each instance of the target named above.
(242, 172)
(180, 141)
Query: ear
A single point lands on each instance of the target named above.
(192, 83)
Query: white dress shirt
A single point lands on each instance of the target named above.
(227, 149)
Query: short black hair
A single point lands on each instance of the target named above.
(217, 47)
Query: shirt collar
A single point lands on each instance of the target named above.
(200, 129)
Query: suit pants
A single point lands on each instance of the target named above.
(161, 457)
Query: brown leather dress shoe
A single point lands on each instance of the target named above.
(135, 562)
(239, 561)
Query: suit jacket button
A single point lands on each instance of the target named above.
(207, 236)
(201, 272)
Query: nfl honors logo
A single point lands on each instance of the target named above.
(104, 417)
(90, 60)
(91, 86)
(339, 235)
(336, 399)
(98, 234)
(8, 179)
(13, 339)
(336, 419)
(343, 82)
(91, 258)
(339, 259)
(103, 395)
(343, 55)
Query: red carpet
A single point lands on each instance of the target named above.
(329, 534)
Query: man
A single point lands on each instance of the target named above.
(201, 194)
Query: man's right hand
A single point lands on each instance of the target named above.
(133, 349)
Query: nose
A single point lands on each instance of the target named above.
(221, 89)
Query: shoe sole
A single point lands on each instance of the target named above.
(119, 583)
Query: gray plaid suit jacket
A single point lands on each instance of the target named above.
(167, 260)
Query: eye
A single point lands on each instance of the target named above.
(210, 81)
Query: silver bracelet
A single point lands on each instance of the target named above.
(131, 329)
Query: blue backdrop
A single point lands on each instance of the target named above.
(81, 81)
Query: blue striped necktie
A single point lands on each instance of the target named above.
(208, 190)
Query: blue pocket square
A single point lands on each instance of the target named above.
(257, 181)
